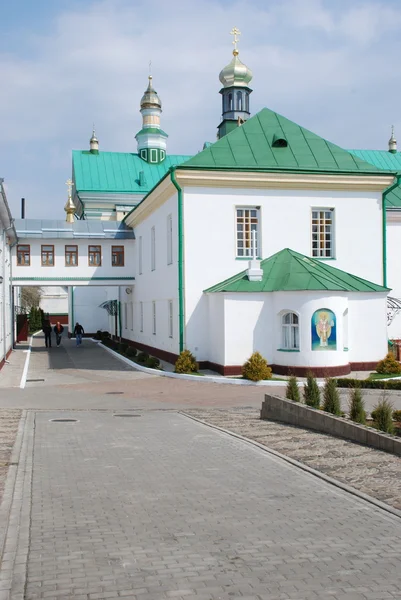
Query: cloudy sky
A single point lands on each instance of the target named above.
(331, 66)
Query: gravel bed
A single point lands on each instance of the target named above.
(373, 472)
(9, 420)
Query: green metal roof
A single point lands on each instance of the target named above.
(118, 171)
(289, 271)
(382, 159)
(152, 130)
(251, 146)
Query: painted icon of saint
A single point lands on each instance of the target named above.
(323, 328)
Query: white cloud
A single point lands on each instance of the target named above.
(320, 66)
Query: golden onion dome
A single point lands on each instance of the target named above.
(150, 98)
(235, 74)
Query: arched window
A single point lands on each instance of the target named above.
(247, 102)
(230, 102)
(290, 331)
(239, 101)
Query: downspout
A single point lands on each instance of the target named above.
(181, 317)
(4, 295)
(384, 226)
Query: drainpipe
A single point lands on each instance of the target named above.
(384, 226)
(181, 316)
(3, 271)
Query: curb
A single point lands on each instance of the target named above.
(295, 463)
(204, 379)
(13, 572)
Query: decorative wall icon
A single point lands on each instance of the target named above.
(324, 330)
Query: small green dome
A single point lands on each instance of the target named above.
(236, 73)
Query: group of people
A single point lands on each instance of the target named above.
(58, 330)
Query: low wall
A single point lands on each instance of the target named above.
(295, 413)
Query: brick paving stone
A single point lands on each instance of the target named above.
(161, 507)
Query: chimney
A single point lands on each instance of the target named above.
(22, 208)
(254, 272)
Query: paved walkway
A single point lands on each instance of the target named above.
(158, 506)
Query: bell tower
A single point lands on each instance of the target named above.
(152, 140)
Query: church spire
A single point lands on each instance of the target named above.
(235, 92)
(70, 206)
(392, 143)
(151, 138)
(94, 143)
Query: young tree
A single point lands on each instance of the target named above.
(30, 297)
(292, 392)
(356, 403)
(331, 397)
(311, 391)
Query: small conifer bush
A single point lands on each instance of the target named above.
(130, 352)
(152, 362)
(311, 391)
(256, 368)
(382, 416)
(356, 402)
(331, 397)
(389, 365)
(186, 363)
(142, 358)
(292, 392)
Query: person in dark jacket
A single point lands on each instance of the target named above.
(58, 330)
(47, 330)
(78, 332)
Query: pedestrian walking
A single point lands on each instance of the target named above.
(58, 330)
(78, 332)
(47, 330)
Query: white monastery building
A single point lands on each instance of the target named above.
(270, 239)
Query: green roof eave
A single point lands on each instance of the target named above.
(288, 270)
(153, 130)
(253, 169)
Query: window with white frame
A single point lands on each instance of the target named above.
(322, 233)
(169, 239)
(154, 318)
(140, 255)
(141, 316)
(247, 231)
(170, 318)
(290, 331)
(153, 248)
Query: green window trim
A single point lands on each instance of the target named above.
(345, 349)
(324, 258)
(248, 258)
(288, 350)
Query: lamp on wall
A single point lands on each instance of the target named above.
(128, 291)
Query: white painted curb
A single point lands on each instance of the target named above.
(202, 379)
(27, 359)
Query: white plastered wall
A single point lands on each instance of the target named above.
(209, 239)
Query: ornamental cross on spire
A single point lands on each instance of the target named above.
(235, 32)
(69, 185)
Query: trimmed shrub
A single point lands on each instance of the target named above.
(130, 352)
(98, 335)
(311, 391)
(331, 397)
(292, 392)
(397, 416)
(122, 348)
(152, 362)
(356, 403)
(389, 365)
(142, 357)
(104, 335)
(371, 384)
(382, 416)
(256, 368)
(186, 363)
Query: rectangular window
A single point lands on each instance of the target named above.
(71, 256)
(322, 233)
(94, 256)
(170, 318)
(141, 315)
(23, 255)
(248, 232)
(153, 248)
(154, 318)
(140, 255)
(153, 156)
(169, 239)
(117, 256)
(47, 253)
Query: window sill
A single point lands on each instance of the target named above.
(323, 258)
(247, 258)
(345, 349)
(288, 350)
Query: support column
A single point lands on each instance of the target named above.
(70, 310)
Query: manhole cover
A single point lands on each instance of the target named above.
(126, 415)
(110, 393)
(29, 380)
(63, 420)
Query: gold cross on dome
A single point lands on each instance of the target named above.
(69, 185)
(235, 32)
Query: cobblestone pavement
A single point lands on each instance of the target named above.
(159, 507)
(9, 420)
(370, 471)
